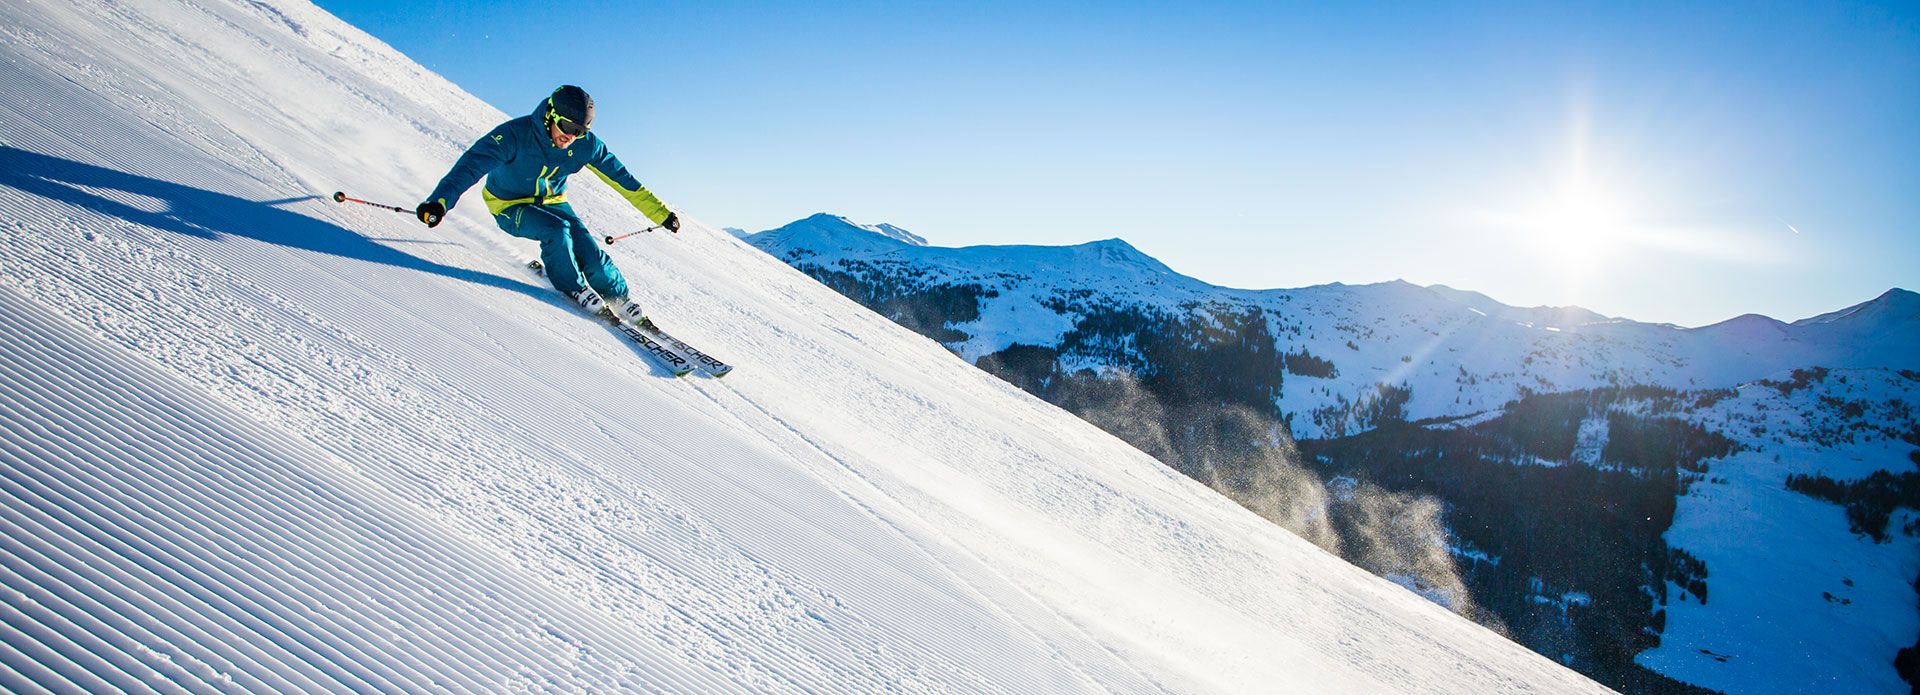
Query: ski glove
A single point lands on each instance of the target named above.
(673, 223)
(430, 212)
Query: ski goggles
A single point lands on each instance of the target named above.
(566, 125)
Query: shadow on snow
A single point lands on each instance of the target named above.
(209, 215)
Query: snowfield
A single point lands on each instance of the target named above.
(1797, 602)
(255, 441)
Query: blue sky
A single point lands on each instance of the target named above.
(1676, 162)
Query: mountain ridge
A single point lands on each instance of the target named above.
(831, 227)
(1353, 326)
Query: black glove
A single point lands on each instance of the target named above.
(430, 212)
(673, 223)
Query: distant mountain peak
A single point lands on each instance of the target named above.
(899, 234)
(1543, 316)
(1893, 306)
(1751, 326)
(831, 223)
(1115, 242)
(1117, 250)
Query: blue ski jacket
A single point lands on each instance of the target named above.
(522, 166)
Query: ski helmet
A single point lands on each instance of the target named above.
(571, 109)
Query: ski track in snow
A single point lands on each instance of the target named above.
(255, 441)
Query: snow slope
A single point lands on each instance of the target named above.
(254, 441)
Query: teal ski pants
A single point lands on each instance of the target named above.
(567, 249)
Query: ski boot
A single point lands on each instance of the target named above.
(626, 310)
(588, 300)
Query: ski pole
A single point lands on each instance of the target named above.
(339, 197)
(611, 238)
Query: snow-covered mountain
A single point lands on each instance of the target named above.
(1733, 460)
(255, 441)
(1456, 352)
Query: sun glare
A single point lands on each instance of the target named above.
(1580, 223)
(1587, 212)
(1580, 217)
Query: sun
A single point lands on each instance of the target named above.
(1577, 225)
(1581, 223)
(1581, 212)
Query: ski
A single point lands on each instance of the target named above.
(667, 357)
(707, 362)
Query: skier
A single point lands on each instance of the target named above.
(526, 161)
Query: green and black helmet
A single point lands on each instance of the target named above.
(571, 109)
